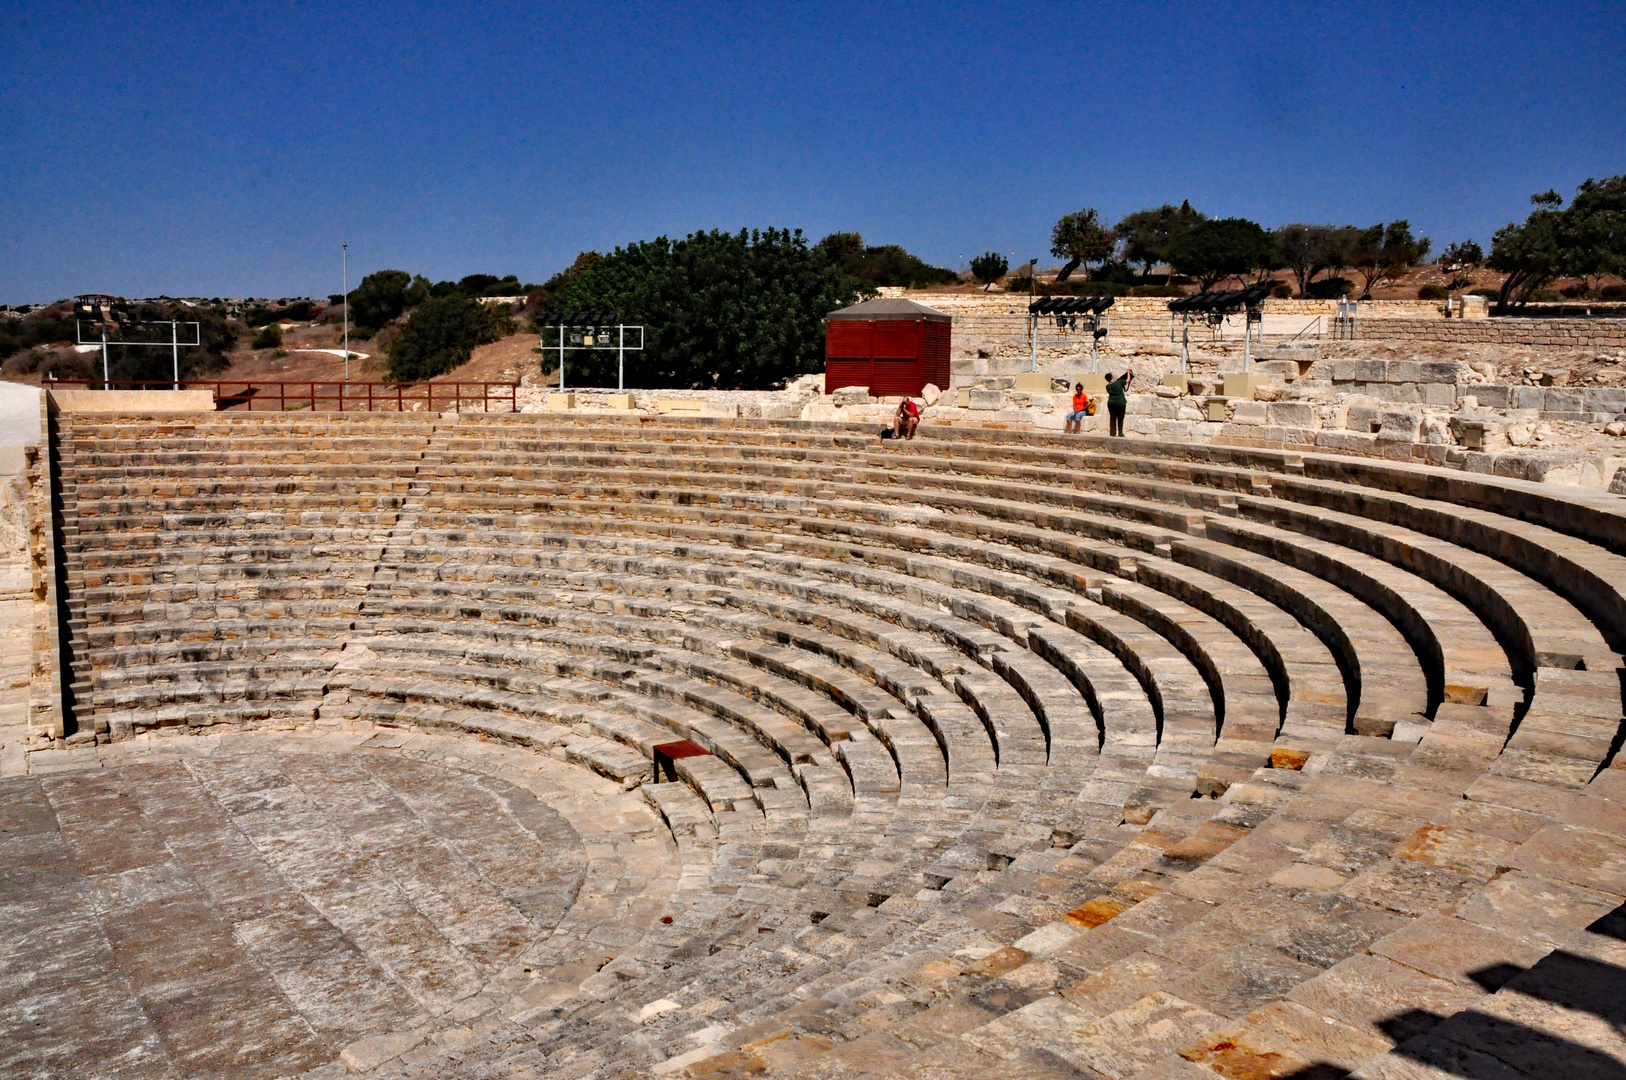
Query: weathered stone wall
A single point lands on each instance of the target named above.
(997, 322)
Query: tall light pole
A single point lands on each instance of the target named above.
(346, 248)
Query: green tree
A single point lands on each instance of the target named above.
(270, 337)
(1146, 234)
(1308, 250)
(988, 268)
(1594, 229)
(1081, 239)
(379, 298)
(1534, 252)
(728, 311)
(441, 335)
(886, 264)
(1222, 248)
(1385, 252)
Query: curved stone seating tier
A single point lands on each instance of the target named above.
(1002, 754)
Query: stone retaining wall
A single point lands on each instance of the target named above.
(992, 321)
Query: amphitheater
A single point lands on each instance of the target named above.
(576, 745)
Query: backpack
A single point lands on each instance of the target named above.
(1089, 406)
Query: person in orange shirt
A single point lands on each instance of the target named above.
(1081, 406)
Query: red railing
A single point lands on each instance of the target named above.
(256, 395)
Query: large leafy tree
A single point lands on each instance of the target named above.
(727, 311)
(382, 296)
(1227, 247)
(1384, 252)
(1588, 237)
(1081, 239)
(1308, 250)
(1147, 234)
(885, 264)
(988, 268)
(441, 335)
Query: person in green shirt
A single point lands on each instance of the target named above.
(1118, 401)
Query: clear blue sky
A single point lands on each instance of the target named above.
(228, 149)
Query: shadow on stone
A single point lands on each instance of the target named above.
(1478, 1046)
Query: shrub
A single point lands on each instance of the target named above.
(268, 338)
(726, 311)
(1020, 283)
(1432, 292)
(1490, 294)
(988, 268)
(886, 264)
(441, 335)
(1612, 292)
(1282, 291)
(1156, 290)
(1333, 288)
(1544, 295)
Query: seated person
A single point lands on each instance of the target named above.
(1080, 409)
(907, 419)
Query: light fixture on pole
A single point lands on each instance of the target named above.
(346, 248)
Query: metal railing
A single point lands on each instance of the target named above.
(257, 395)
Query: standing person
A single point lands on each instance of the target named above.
(1081, 409)
(906, 420)
(1118, 401)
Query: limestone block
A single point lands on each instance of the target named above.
(1240, 384)
(1178, 381)
(1291, 414)
(986, 399)
(133, 401)
(1526, 397)
(1172, 429)
(962, 397)
(1349, 442)
(1433, 431)
(1435, 393)
(722, 410)
(851, 395)
(1369, 370)
(1140, 425)
(1609, 399)
(560, 402)
(665, 406)
(1032, 382)
(822, 411)
(1214, 410)
(1250, 412)
(1405, 393)
(1193, 414)
(1405, 371)
(1435, 371)
(1362, 418)
(965, 367)
(1286, 370)
(618, 401)
(1164, 408)
(1399, 424)
(1491, 396)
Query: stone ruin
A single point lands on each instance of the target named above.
(589, 744)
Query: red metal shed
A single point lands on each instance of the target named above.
(890, 346)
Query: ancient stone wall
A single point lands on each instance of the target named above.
(995, 322)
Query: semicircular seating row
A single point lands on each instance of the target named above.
(1001, 747)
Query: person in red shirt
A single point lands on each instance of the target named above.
(907, 419)
(1081, 407)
